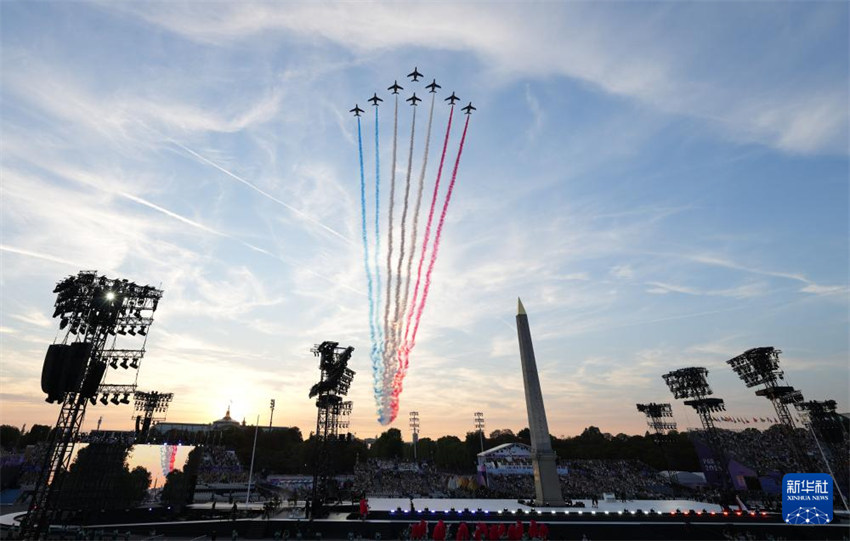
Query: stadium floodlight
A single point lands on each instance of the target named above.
(688, 382)
(333, 413)
(414, 427)
(149, 404)
(758, 366)
(655, 415)
(478, 418)
(692, 383)
(824, 419)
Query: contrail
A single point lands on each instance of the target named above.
(428, 228)
(403, 235)
(416, 219)
(45, 257)
(212, 231)
(387, 374)
(376, 352)
(304, 216)
(397, 387)
(391, 356)
(365, 239)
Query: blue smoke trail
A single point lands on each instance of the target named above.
(377, 351)
(365, 239)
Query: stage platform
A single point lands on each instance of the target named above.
(446, 504)
(640, 519)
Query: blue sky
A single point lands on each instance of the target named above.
(664, 185)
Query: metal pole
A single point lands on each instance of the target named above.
(253, 453)
(271, 415)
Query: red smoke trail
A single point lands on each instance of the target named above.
(397, 384)
(428, 228)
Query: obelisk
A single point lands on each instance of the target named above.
(547, 487)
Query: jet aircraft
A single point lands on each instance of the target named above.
(375, 99)
(452, 99)
(415, 75)
(357, 110)
(395, 87)
(433, 86)
(413, 99)
(468, 109)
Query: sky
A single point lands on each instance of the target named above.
(663, 184)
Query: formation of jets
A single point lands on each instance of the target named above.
(414, 76)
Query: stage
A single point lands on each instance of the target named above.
(639, 519)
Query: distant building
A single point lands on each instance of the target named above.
(225, 423)
(509, 459)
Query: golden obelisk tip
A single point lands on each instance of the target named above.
(520, 309)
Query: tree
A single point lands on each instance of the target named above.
(9, 437)
(36, 434)
(100, 479)
(193, 462)
(524, 435)
(502, 436)
(451, 454)
(388, 445)
(174, 492)
(140, 481)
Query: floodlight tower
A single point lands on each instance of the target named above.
(93, 309)
(760, 366)
(149, 404)
(829, 427)
(692, 383)
(478, 418)
(333, 413)
(414, 427)
(659, 417)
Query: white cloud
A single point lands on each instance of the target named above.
(622, 271)
(592, 43)
(35, 318)
(839, 291)
(739, 292)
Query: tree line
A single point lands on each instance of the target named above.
(286, 451)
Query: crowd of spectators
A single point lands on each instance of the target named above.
(385, 478)
(628, 479)
(768, 450)
(28, 463)
(220, 465)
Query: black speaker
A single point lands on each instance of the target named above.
(52, 372)
(75, 365)
(92, 381)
